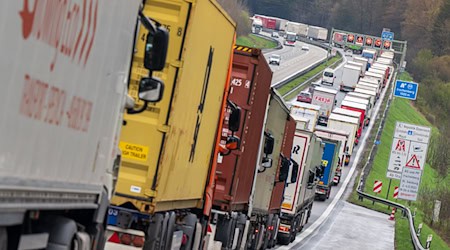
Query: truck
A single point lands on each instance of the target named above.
(372, 93)
(257, 25)
(363, 61)
(329, 165)
(250, 90)
(348, 124)
(298, 197)
(361, 101)
(357, 106)
(317, 33)
(382, 73)
(300, 29)
(370, 55)
(340, 135)
(352, 113)
(382, 67)
(176, 141)
(290, 39)
(350, 77)
(371, 98)
(306, 110)
(63, 107)
(358, 65)
(273, 168)
(326, 99)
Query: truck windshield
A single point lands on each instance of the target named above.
(367, 55)
(328, 74)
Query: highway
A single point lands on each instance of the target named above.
(338, 221)
(294, 59)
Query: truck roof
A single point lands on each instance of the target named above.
(360, 58)
(327, 90)
(343, 118)
(332, 130)
(356, 99)
(347, 112)
(377, 71)
(305, 105)
(355, 63)
(369, 80)
(360, 95)
(352, 67)
(379, 65)
(365, 91)
(373, 74)
(354, 105)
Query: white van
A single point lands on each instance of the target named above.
(328, 76)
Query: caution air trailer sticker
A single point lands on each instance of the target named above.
(134, 151)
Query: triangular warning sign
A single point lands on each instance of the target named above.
(413, 162)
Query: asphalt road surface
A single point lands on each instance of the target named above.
(294, 59)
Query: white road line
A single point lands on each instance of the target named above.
(330, 208)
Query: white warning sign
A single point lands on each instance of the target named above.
(409, 147)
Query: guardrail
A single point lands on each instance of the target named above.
(406, 211)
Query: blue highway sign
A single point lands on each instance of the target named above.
(386, 35)
(406, 90)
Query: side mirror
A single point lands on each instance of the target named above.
(268, 144)
(284, 169)
(156, 46)
(294, 174)
(319, 171)
(151, 89)
(266, 162)
(233, 143)
(234, 120)
(311, 179)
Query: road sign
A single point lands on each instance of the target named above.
(406, 90)
(409, 148)
(386, 35)
(377, 185)
(409, 183)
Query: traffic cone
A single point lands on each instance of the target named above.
(392, 217)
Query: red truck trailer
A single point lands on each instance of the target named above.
(250, 86)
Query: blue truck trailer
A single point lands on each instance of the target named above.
(330, 159)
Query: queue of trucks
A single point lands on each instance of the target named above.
(118, 142)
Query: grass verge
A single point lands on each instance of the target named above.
(401, 110)
(255, 42)
(301, 79)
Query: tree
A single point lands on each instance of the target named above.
(441, 31)
(239, 13)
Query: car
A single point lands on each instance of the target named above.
(304, 96)
(275, 34)
(305, 47)
(275, 59)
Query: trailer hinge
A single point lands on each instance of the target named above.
(176, 64)
(164, 128)
(150, 193)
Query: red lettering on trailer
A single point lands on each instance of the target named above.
(62, 24)
(43, 102)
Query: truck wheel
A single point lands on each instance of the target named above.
(3, 238)
(328, 193)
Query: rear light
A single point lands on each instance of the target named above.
(270, 227)
(127, 239)
(283, 229)
(184, 239)
(209, 229)
(256, 230)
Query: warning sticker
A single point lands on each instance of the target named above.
(134, 151)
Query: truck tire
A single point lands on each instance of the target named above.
(3, 238)
(328, 193)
